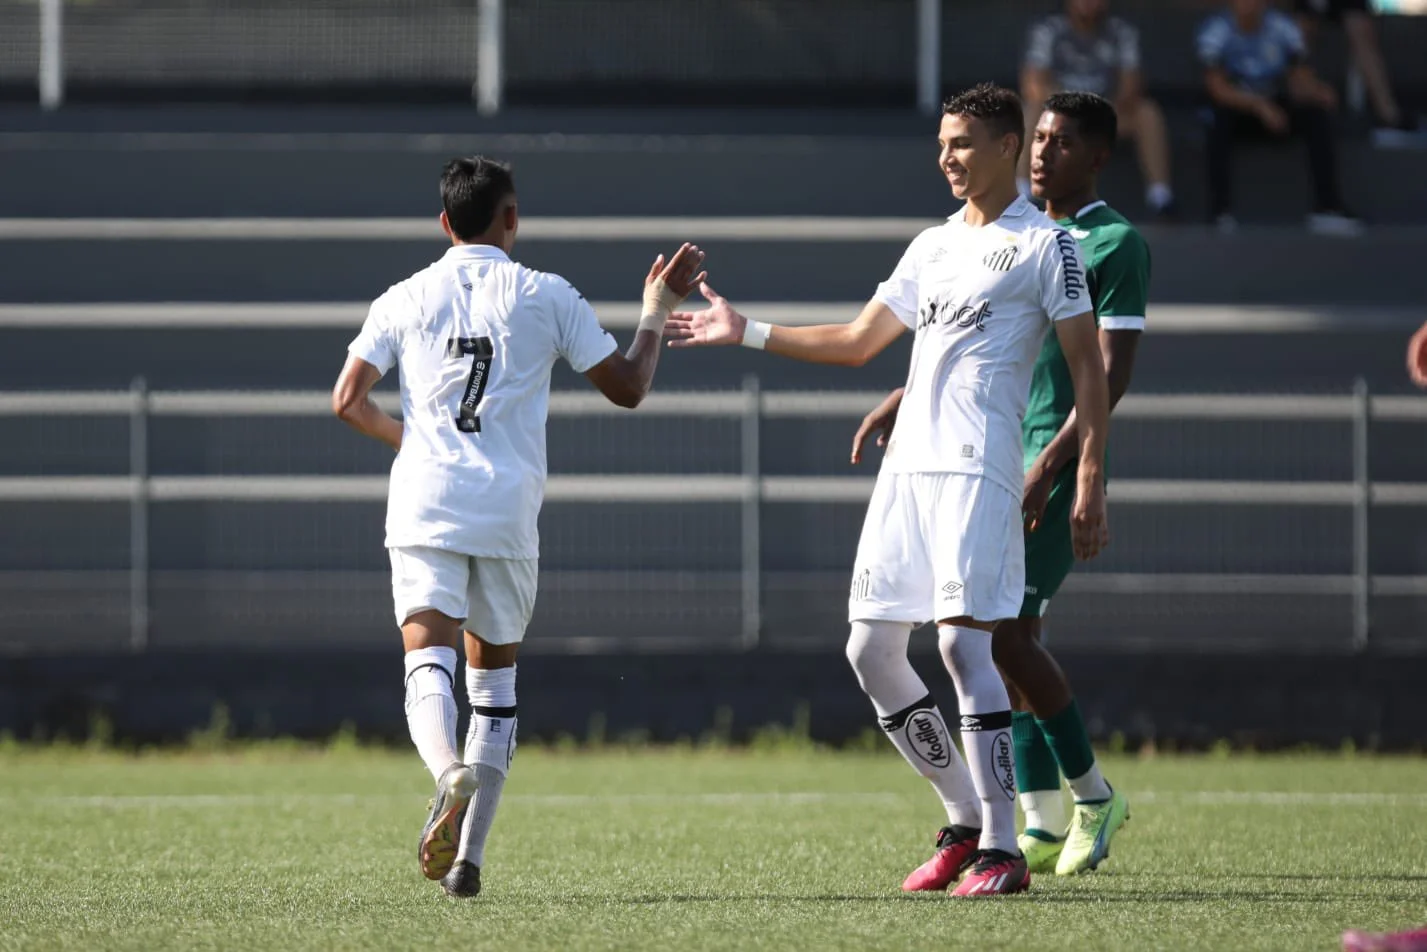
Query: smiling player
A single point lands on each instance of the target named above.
(942, 541)
(1073, 139)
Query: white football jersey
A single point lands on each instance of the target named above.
(980, 301)
(475, 336)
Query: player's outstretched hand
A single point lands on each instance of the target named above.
(1417, 357)
(681, 275)
(719, 324)
(879, 421)
(1089, 527)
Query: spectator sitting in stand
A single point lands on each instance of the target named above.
(1260, 85)
(1392, 126)
(1085, 49)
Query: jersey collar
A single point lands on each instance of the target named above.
(1020, 206)
(1098, 203)
(476, 251)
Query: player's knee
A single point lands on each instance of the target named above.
(874, 647)
(1012, 639)
(964, 649)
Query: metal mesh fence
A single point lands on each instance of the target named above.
(19, 43)
(1184, 570)
(247, 43)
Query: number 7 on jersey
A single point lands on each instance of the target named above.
(482, 349)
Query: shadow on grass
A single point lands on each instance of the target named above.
(1134, 896)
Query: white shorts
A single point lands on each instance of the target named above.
(494, 596)
(936, 546)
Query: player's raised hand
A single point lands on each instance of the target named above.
(719, 324)
(879, 421)
(681, 274)
(1089, 527)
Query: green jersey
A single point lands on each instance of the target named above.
(1117, 265)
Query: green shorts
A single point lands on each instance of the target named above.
(1049, 553)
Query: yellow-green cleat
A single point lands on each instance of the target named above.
(1041, 850)
(1091, 829)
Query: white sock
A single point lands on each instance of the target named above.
(1045, 811)
(431, 706)
(1090, 786)
(490, 747)
(1159, 195)
(985, 731)
(909, 716)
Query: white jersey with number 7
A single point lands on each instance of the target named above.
(475, 336)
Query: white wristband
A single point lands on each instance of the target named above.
(755, 334)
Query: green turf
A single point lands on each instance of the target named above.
(682, 851)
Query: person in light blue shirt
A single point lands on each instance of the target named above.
(1260, 85)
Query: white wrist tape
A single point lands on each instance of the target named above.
(755, 334)
(659, 301)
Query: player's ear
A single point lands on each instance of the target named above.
(446, 226)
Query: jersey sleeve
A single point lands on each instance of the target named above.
(579, 337)
(377, 343)
(1290, 37)
(1122, 284)
(900, 291)
(1127, 46)
(1064, 292)
(1040, 44)
(1212, 40)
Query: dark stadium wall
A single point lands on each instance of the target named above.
(1260, 701)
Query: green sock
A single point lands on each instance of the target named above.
(1036, 768)
(1066, 737)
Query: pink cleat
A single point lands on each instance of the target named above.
(1357, 941)
(955, 846)
(995, 873)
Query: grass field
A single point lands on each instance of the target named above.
(681, 850)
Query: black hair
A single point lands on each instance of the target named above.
(1094, 115)
(471, 192)
(999, 108)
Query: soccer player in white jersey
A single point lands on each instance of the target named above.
(475, 336)
(943, 537)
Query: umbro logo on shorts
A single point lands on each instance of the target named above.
(1001, 260)
(952, 589)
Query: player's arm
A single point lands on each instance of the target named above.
(626, 378)
(1117, 347)
(1080, 344)
(880, 421)
(848, 345)
(352, 403)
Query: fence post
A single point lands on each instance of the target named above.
(752, 530)
(490, 56)
(51, 78)
(1362, 511)
(928, 56)
(139, 516)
